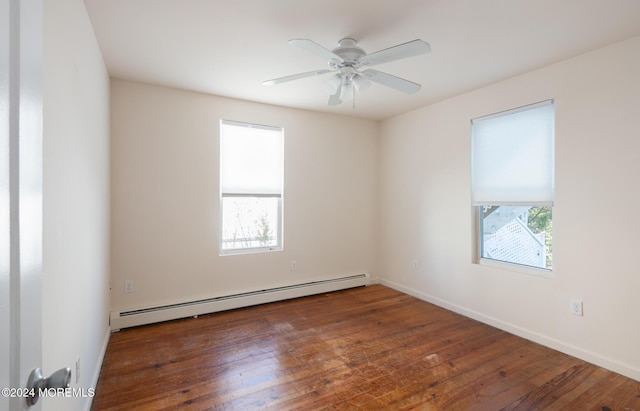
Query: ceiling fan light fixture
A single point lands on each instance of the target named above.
(347, 92)
(361, 83)
(332, 84)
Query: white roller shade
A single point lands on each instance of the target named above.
(250, 159)
(512, 158)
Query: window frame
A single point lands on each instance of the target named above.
(515, 267)
(279, 228)
(477, 208)
(496, 263)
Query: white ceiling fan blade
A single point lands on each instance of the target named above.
(295, 77)
(401, 51)
(334, 100)
(394, 82)
(315, 48)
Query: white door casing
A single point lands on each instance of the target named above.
(20, 197)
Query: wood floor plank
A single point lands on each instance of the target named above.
(595, 398)
(370, 348)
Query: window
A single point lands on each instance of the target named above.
(251, 174)
(512, 184)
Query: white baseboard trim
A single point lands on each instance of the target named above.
(586, 355)
(98, 367)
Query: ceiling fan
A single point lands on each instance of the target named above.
(349, 62)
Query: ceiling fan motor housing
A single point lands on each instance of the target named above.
(349, 52)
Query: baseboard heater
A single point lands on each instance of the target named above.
(124, 319)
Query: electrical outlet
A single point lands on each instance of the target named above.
(414, 265)
(294, 265)
(128, 286)
(576, 307)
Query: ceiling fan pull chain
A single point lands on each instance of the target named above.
(353, 92)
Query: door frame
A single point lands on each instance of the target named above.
(21, 52)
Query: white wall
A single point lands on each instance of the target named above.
(165, 197)
(76, 199)
(426, 214)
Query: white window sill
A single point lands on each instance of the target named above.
(518, 268)
(238, 251)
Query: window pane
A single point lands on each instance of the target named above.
(250, 222)
(518, 234)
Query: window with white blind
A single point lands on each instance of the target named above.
(251, 179)
(512, 184)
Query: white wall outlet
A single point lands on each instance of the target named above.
(128, 286)
(294, 265)
(414, 265)
(576, 307)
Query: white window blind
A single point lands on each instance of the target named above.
(252, 160)
(512, 158)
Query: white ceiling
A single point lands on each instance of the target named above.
(228, 47)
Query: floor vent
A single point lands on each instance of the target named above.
(143, 316)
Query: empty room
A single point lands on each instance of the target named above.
(350, 205)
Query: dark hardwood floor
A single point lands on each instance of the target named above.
(369, 348)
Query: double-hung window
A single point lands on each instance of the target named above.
(512, 184)
(251, 179)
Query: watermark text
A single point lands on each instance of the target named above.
(76, 392)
